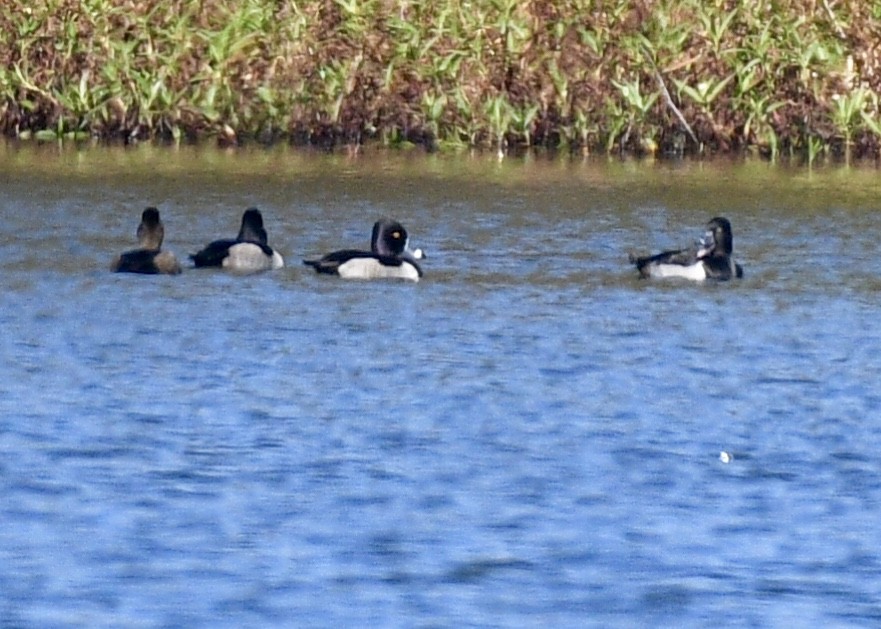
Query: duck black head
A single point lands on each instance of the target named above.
(389, 238)
(151, 231)
(252, 227)
(718, 240)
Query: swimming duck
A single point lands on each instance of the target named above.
(248, 252)
(389, 257)
(148, 258)
(709, 259)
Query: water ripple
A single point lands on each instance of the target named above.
(531, 436)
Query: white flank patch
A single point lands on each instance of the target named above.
(371, 269)
(694, 271)
(167, 263)
(246, 257)
(277, 260)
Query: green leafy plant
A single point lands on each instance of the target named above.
(768, 77)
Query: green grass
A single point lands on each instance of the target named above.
(777, 78)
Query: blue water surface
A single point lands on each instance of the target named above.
(530, 436)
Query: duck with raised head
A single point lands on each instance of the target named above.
(711, 258)
(246, 253)
(390, 257)
(148, 258)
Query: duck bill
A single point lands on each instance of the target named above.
(706, 245)
(413, 254)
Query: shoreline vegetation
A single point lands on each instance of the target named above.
(776, 78)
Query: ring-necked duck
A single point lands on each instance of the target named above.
(249, 252)
(148, 258)
(389, 257)
(709, 259)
